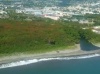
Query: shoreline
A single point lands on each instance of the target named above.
(54, 54)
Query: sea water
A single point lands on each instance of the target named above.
(86, 64)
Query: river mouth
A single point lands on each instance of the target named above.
(85, 45)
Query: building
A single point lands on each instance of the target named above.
(52, 17)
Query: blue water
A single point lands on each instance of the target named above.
(73, 66)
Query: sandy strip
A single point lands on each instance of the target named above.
(61, 53)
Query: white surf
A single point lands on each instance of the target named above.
(26, 62)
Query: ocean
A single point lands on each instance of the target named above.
(81, 64)
(89, 64)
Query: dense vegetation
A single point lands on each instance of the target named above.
(40, 35)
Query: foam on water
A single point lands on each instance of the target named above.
(26, 62)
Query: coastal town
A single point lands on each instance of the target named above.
(52, 10)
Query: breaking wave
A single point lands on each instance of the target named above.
(26, 62)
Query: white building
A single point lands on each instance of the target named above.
(52, 17)
(84, 22)
(96, 29)
(3, 12)
(19, 11)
